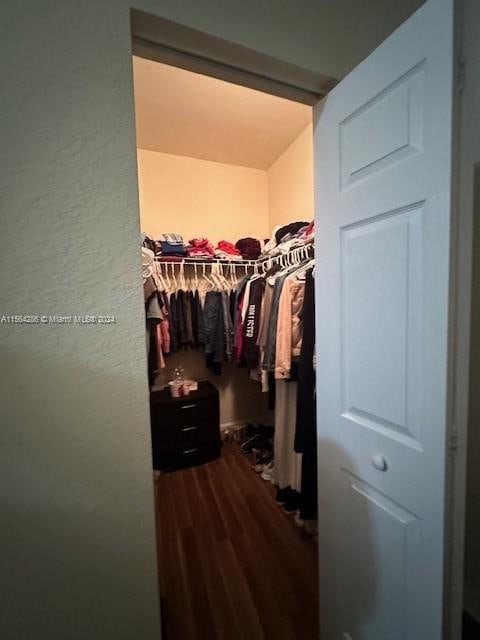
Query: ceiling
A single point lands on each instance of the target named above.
(188, 114)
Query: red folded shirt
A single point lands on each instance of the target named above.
(228, 247)
(200, 246)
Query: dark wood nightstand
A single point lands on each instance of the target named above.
(186, 430)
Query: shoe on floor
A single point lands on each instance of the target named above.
(311, 527)
(267, 473)
(282, 495)
(299, 521)
(292, 503)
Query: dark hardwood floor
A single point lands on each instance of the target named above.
(232, 564)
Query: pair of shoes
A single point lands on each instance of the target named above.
(262, 459)
(299, 520)
(311, 527)
(256, 442)
(282, 495)
(264, 430)
(292, 503)
(267, 473)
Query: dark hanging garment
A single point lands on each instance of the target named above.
(305, 431)
(271, 391)
(152, 356)
(173, 323)
(193, 305)
(181, 320)
(232, 308)
(188, 300)
(200, 320)
(228, 324)
(214, 331)
(251, 352)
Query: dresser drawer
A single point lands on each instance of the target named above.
(188, 456)
(185, 412)
(191, 433)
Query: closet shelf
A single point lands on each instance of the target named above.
(296, 253)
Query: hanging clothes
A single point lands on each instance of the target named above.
(214, 329)
(306, 421)
(288, 463)
(251, 350)
(289, 326)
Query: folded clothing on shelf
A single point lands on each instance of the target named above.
(289, 230)
(168, 249)
(227, 251)
(227, 247)
(250, 248)
(200, 248)
(171, 244)
(292, 236)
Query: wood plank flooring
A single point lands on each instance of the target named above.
(232, 565)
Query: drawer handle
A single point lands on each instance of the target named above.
(188, 406)
(190, 450)
(189, 428)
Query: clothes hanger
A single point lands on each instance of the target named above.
(174, 279)
(233, 276)
(182, 276)
(158, 270)
(166, 277)
(195, 276)
(226, 283)
(207, 279)
(300, 274)
(214, 276)
(222, 283)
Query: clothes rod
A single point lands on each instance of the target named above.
(295, 254)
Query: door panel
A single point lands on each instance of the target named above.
(385, 130)
(382, 142)
(379, 392)
(376, 587)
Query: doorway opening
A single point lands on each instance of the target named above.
(226, 207)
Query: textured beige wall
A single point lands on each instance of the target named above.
(290, 182)
(198, 198)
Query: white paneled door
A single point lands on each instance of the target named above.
(382, 141)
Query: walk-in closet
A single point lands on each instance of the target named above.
(226, 211)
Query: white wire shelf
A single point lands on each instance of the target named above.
(294, 255)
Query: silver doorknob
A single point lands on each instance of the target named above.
(379, 462)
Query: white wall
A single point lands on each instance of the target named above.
(290, 182)
(77, 534)
(198, 198)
